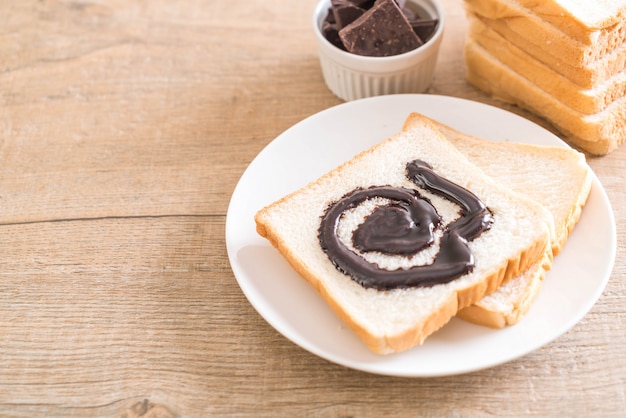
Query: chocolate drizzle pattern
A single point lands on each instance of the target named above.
(404, 227)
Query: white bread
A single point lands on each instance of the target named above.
(510, 18)
(583, 100)
(597, 133)
(557, 177)
(508, 305)
(586, 76)
(573, 16)
(395, 320)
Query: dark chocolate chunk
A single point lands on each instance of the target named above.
(381, 31)
(331, 33)
(330, 16)
(424, 28)
(363, 4)
(345, 12)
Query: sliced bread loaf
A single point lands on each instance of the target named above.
(395, 319)
(586, 76)
(597, 133)
(581, 99)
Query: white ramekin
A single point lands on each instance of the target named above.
(350, 76)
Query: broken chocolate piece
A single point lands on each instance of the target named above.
(381, 31)
(363, 4)
(331, 33)
(345, 12)
(330, 16)
(424, 28)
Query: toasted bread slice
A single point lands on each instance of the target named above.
(396, 319)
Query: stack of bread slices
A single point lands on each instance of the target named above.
(561, 59)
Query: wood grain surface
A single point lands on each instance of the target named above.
(124, 128)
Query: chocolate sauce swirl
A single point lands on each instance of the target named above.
(404, 227)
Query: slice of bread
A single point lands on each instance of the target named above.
(510, 18)
(397, 319)
(583, 100)
(508, 305)
(597, 133)
(557, 177)
(573, 16)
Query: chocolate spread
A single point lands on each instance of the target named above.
(404, 227)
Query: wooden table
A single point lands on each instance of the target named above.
(124, 128)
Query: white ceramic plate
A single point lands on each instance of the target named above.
(324, 140)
